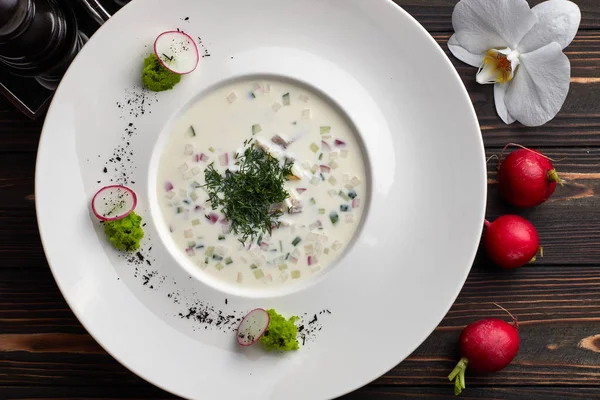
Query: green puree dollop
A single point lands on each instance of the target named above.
(126, 233)
(281, 333)
(156, 77)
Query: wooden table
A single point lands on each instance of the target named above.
(45, 352)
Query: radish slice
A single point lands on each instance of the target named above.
(177, 52)
(253, 326)
(113, 202)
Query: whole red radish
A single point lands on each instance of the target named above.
(527, 178)
(511, 241)
(487, 345)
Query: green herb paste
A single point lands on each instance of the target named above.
(156, 77)
(126, 233)
(281, 333)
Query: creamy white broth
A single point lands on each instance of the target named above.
(332, 190)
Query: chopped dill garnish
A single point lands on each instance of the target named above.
(245, 196)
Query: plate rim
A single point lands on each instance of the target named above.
(463, 92)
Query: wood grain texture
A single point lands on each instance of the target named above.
(375, 392)
(43, 344)
(436, 15)
(578, 123)
(45, 353)
(567, 225)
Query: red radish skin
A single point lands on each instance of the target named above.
(193, 49)
(527, 178)
(511, 241)
(487, 345)
(107, 189)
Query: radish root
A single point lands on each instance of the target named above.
(515, 322)
(528, 149)
(490, 157)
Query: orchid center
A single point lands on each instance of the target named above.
(498, 66)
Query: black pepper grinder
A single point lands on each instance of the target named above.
(38, 38)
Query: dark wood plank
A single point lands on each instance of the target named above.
(17, 131)
(498, 393)
(42, 344)
(31, 303)
(567, 223)
(370, 392)
(436, 15)
(20, 244)
(17, 176)
(113, 392)
(578, 123)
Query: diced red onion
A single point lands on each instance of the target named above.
(325, 146)
(224, 159)
(168, 186)
(355, 202)
(200, 157)
(339, 143)
(300, 190)
(325, 168)
(213, 218)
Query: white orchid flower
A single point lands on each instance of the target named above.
(519, 50)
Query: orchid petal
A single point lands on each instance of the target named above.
(499, 94)
(540, 86)
(474, 60)
(558, 21)
(481, 25)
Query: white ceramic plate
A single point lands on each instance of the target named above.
(393, 286)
